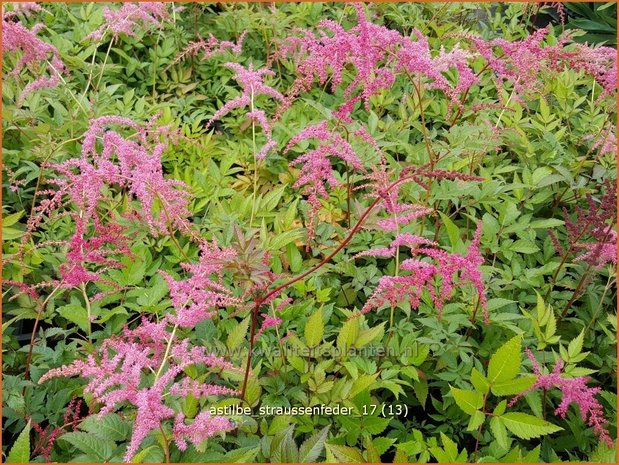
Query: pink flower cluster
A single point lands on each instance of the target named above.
(252, 85)
(34, 52)
(376, 54)
(424, 275)
(125, 19)
(199, 296)
(316, 169)
(123, 369)
(210, 47)
(127, 163)
(573, 390)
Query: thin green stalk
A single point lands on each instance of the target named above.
(253, 140)
(88, 308)
(165, 355)
(107, 54)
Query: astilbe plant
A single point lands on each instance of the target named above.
(125, 20)
(141, 365)
(34, 54)
(573, 391)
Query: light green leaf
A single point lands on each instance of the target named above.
(505, 362)
(348, 334)
(369, 335)
(238, 334)
(345, 454)
(527, 426)
(20, 452)
(479, 381)
(314, 329)
(575, 346)
(312, 447)
(498, 431)
(513, 386)
(468, 401)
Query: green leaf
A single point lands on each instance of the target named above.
(20, 452)
(498, 431)
(505, 362)
(345, 454)
(369, 335)
(110, 427)
(361, 384)
(75, 314)
(476, 420)
(314, 329)
(527, 426)
(513, 386)
(348, 334)
(238, 334)
(452, 231)
(312, 447)
(575, 346)
(479, 381)
(92, 446)
(468, 401)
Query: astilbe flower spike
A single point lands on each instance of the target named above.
(376, 54)
(316, 169)
(573, 390)
(210, 47)
(125, 20)
(252, 85)
(424, 275)
(199, 296)
(121, 372)
(34, 52)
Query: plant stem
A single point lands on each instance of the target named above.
(165, 355)
(88, 309)
(107, 54)
(253, 141)
(166, 444)
(483, 410)
(252, 334)
(34, 331)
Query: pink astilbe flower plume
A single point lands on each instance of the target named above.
(426, 275)
(125, 19)
(376, 54)
(34, 53)
(252, 85)
(199, 296)
(573, 390)
(210, 47)
(122, 371)
(316, 168)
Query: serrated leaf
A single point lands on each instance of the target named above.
(498, 431)
(110, 427)
(479, 381)
(513, 386)
(92, 446)
(238, 334)
(345, 454)
(312, 447)
(575, 346)
(75, 314)
(505, 362)
(468, 401)
(20, 452)
(314, 329)
(348, 334)
(476, 420)
(368, 335)
(527, 426)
